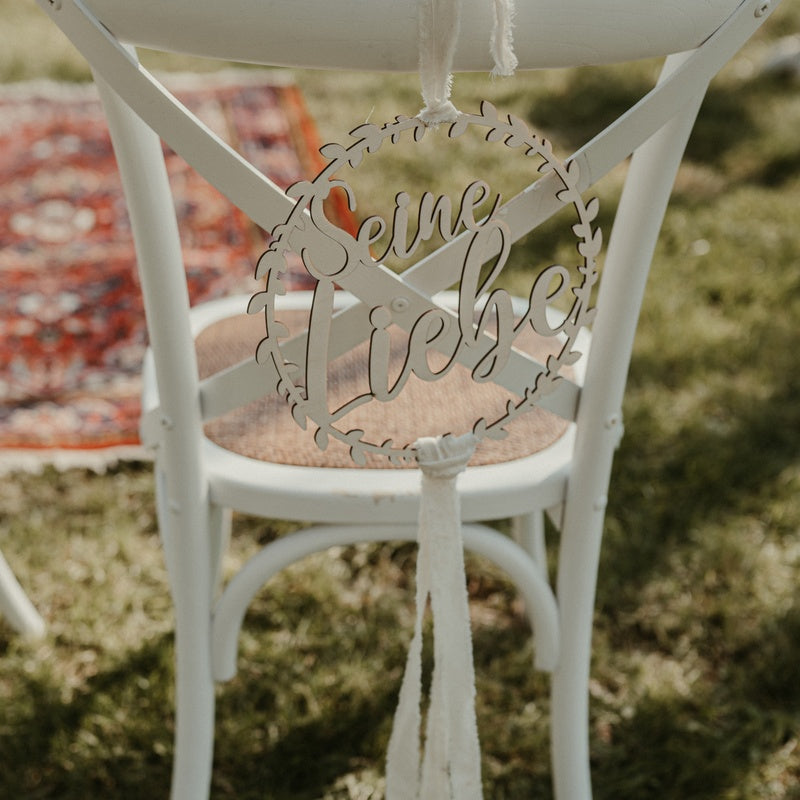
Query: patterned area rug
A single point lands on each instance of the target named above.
(72, 331)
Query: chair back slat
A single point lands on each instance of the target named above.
(319, 33)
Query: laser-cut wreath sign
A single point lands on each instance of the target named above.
(330, 255)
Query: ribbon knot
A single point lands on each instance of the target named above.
(444, 456)
(451, 763)
(439, 22)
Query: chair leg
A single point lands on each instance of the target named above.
(528, 533)
(633, 239)
(194, 692)
(194, 721)
(16, 606)
(192, 578)
(570, 730)
(184, 508)
(220, 529)
(194, 684)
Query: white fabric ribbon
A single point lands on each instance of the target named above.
(502, 43)
(439, 22)
(451, 766)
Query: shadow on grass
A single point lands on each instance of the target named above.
(111, 739)
(714, 742)
(723, 122)
(298, 760)
(779, 170)
(590, 100)
(593, 99)
(725, 459)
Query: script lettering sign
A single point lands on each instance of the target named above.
(483, 322)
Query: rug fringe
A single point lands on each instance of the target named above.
(98, 460)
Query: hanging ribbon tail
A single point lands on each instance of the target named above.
(439, 22)
(451, 762)
(502, 42)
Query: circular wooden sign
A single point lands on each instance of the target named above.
(480, 330)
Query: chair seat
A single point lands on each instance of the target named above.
(265, 430)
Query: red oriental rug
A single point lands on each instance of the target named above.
(72, 331)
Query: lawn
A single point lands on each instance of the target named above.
(695, 690)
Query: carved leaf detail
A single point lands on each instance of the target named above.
(277, 330)
(495, 135)
(355, 439)
(592, 245)
(569, 358)
(518, 132)
(263, 351)
(270, 261)
(397, 127)
(488, 112)
(299, 414)
(275, 284)
(574, 172)
(302, 188)
(258, 302)
(587, 316)
(496, 432)
(370, 135)
(567, 195)
(459, 127)
(337, 152)
(321, 439)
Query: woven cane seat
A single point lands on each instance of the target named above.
(265, 430)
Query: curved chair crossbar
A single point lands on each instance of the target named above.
(230, 609)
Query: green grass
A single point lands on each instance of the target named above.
(696, 678)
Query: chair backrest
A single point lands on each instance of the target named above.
(233, 28)
(316, 33)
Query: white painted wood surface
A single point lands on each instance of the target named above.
(320, 33)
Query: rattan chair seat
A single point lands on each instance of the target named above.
(265, 430)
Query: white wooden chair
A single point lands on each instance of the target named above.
(564, 469)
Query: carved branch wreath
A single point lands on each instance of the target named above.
(301, 233)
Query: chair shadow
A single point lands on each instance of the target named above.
(112, 738)
(719, 471)
(684, 748)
